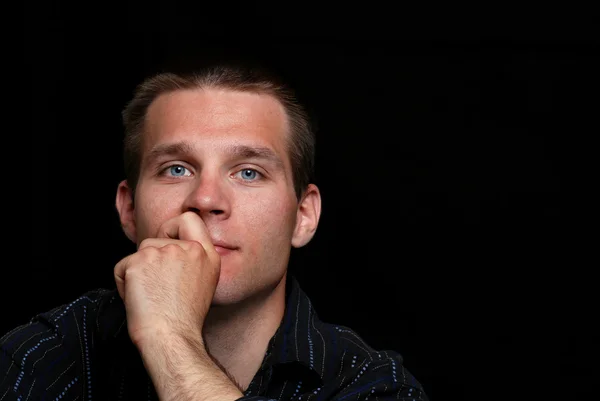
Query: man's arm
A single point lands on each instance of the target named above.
(167, 287)
(182, 370)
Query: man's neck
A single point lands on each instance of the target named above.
(237, 336)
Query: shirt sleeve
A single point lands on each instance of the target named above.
(13, 377)
(385, 380)
(52, 355)
(32, 358)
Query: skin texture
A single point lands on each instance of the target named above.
(214, 218)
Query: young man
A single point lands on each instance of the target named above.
(218, 190)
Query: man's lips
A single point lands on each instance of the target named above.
(223, 248)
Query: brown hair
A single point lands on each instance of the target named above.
(301, 147)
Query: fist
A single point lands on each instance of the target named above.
(168, 285)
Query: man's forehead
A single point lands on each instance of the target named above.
(209, 110)
(216, 100)
(219, 119)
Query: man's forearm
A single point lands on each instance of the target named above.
(182, 370)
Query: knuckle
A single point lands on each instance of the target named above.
(145, 243)
(129, 273)
(196, 246)
(149, 253)
(172, 248)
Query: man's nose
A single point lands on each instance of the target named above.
(208, 196)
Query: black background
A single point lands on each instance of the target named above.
(455, 172)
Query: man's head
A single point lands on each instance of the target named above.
(300, 137)
(236, 149)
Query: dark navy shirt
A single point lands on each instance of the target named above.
(82, 351)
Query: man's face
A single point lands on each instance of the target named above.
(222, 154)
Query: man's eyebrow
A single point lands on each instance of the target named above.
(168, 149)
(255, 152)
(234, 151)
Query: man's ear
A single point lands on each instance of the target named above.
(307, 219)
(125, 207)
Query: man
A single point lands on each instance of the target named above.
(218, 190)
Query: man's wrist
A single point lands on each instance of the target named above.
(182, 369)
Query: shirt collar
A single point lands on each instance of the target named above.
(292, 342)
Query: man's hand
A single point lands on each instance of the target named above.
(169, 283)
(167, 287)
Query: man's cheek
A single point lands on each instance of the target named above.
(150, 219)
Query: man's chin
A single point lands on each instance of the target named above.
(227, 293)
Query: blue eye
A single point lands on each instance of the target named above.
(248, 174)
(177, 170)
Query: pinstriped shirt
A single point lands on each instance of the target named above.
(82, 351)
